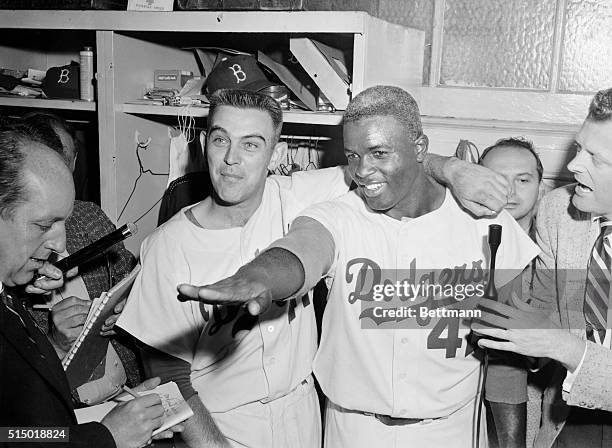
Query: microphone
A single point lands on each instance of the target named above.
(495, 232)
(95, 249)
(494, 239)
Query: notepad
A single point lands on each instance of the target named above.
(176, 409)
(90, 347)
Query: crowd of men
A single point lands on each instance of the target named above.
(223, 304)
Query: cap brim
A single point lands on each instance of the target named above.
(260, 84)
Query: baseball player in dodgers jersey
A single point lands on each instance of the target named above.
(387, 387)
(253, 374)
(263, 394)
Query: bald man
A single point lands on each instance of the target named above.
(36, 196)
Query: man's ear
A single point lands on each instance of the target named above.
(278, 153)
(420, 147)
(542, 190)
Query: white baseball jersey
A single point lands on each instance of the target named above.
(364, 363)
(236, 359)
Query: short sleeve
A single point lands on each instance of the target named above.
(314, 246)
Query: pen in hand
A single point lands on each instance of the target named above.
(130, 391)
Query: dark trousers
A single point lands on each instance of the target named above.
(586, 429)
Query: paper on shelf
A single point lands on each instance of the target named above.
(150, 5)
(325, 66)
(335, 59)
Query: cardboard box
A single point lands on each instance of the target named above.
(171, 79)
(150, 5)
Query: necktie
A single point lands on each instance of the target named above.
(7, 301)
(597, 288)
(14, 308)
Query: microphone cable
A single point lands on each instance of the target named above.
(485, 369)
(494, 240)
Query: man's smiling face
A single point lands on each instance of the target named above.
(239, 146)
(382, 159)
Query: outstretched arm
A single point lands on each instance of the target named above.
(292, 263)
(480, 190)
(274, 275)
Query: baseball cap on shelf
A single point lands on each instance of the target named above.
(237, 72)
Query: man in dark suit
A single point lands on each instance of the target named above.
(69, 306)
(36, 197)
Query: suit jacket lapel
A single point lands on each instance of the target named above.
(33, 346)
(571, 273)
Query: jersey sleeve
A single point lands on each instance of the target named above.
(314, 246)
(152, 313)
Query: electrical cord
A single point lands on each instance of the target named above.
(494, 240)
(187, 128)
(485, 369)
(147, 212)
(141, 171)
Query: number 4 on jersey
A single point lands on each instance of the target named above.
(451, 342)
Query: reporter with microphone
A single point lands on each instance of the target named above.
(36, 196)
(93, 246)
(568, 318)
(82, 260)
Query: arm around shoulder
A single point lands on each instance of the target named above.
(480, 190)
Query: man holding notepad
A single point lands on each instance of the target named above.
(36, 197)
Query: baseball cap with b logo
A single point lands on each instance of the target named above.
(237, 72)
